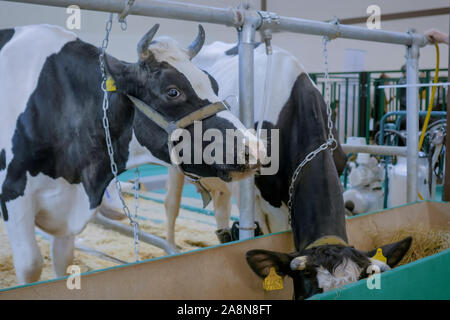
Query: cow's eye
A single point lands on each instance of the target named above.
(173, 93)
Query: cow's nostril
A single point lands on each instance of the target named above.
(350, 205)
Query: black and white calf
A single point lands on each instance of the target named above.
(323, 267)
(54, 165)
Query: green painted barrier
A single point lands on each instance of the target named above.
(423, 279)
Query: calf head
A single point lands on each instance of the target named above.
(165, 80)
(325, 267)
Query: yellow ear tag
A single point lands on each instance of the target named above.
(379, 256)
(273, 281)
(110, 85)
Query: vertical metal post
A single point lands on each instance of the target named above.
(364, 94)
(412, 122)
(246, 107)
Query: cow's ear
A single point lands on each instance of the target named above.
(394, 252)
(260, 261)
(121, 72)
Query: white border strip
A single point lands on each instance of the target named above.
(440, 84)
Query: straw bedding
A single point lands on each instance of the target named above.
(426, 242)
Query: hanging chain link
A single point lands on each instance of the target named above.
(122, 18)
(331, 141)
(137, 175)
(134, 224)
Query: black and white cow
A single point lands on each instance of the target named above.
(323, 259)
(53, 156)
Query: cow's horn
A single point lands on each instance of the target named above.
(299, 263)
(142, 48)
(197, 45)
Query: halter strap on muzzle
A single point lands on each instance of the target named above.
(170, 126)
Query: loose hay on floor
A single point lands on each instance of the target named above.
(193, 231)
(425, 242)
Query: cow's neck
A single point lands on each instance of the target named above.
(318, 208)
(72, 144)
(140, 155)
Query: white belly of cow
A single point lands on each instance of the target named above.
(58, 207)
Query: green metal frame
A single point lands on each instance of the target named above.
(369, 81)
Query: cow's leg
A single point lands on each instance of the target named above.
(61, 250)
(222, 212)
(260, 216)
(174, 188)
(27, 256)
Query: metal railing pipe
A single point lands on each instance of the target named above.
(246, 108)
(233, 17)
(332, 30)
(412, 122)
(373, 149)
(155, 8)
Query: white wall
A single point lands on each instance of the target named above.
(307, 48)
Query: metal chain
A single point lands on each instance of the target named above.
(331, 141)
(137, 175)
(134, 224)
(331, 138)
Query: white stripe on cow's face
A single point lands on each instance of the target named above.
(21, 62)
(168, 50)
(347, 272)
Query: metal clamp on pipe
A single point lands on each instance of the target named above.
(269, 21)
(335, 21)
(124, 14)
(238, 17)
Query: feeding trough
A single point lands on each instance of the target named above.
(221, 272)
(425, 278)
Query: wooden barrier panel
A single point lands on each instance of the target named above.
(221, 272)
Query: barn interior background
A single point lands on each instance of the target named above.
(196, 228)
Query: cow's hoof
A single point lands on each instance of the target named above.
(235, 230)
(111, 213)
(224, 235)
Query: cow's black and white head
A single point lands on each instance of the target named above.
(325, 267)
(165, 78)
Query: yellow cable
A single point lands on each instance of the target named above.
(433, 92)
(430, 105)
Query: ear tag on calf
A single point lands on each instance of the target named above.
(273, 281)
(110, 84)
(379, 256)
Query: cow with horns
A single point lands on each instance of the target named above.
(323, 259)
(54, 164)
